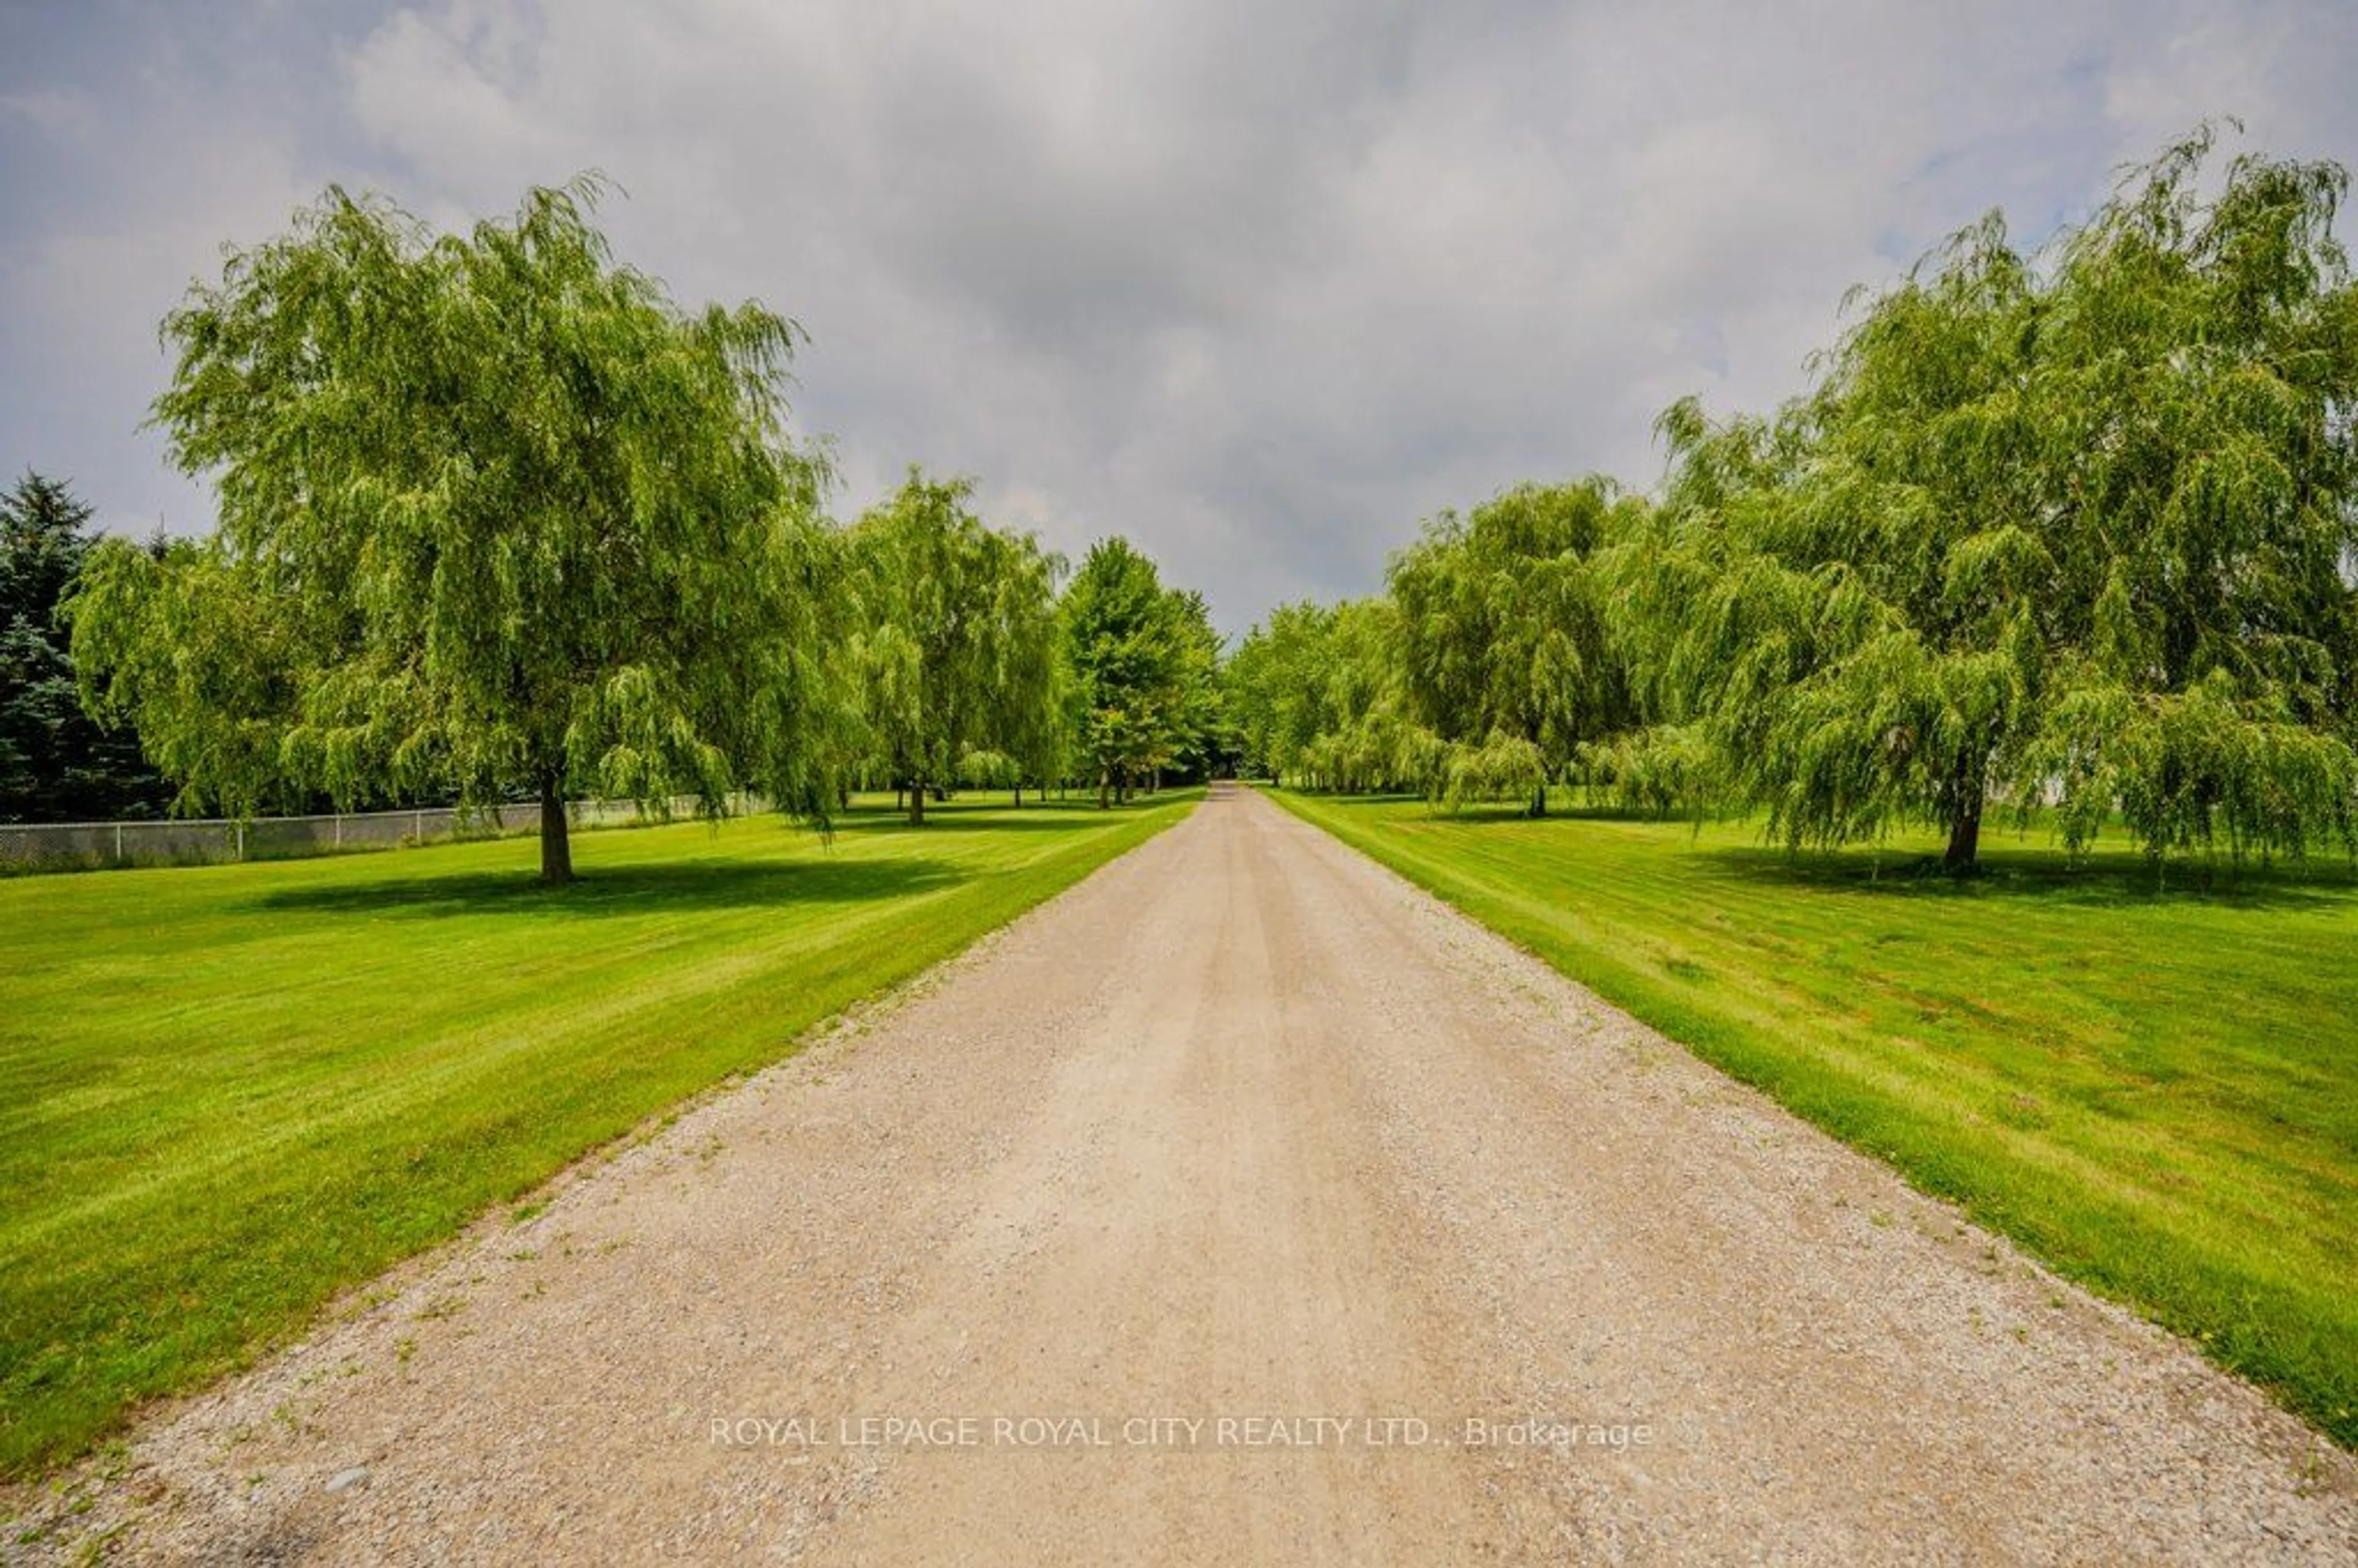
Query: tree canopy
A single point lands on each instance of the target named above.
(1142, 662)
(1275, 684)
(495, 517)
(1502, 640)
(2077, 536)
(958, 651)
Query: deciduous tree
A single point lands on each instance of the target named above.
(958, 651)
(1126, 649)
(2080, 534)
(1504, 645)
(496, 517)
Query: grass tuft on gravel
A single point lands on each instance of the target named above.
(2151, 1082)
(228, 1092)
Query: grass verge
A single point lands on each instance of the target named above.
(2150, 1082)
(228, 1092)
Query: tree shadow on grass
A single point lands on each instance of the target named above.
(2046, 876)
(946, 822)
(1480, 812)
(613, 891)
(2006, 869)
(1055, 816)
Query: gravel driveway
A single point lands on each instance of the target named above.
(1243, 1204)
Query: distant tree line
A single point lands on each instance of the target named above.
(2074, 531)
(499, 519)
(974, 669)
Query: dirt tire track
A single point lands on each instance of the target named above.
(1241, 1126)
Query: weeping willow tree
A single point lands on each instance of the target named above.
(495, 517)
(1276, 686)
(1851, 596)
(1504, 645)
(2079, 535)
(959, 640)
(2200, 405)
(1372, 742)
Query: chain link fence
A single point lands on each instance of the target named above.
(197, 841)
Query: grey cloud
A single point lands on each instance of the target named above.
(1259, 285)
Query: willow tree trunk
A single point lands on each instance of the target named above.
(1964, 836)
(1538, 799)
(1964, 815)
(1105, 788)
(916, 803)
(555, 846)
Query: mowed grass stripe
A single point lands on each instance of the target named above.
(2154, 1087)
(1906, 1063)
(227, 1093)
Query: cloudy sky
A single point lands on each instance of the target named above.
(1259, 283)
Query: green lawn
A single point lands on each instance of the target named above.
(2154, 1088)
(227, 1092)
